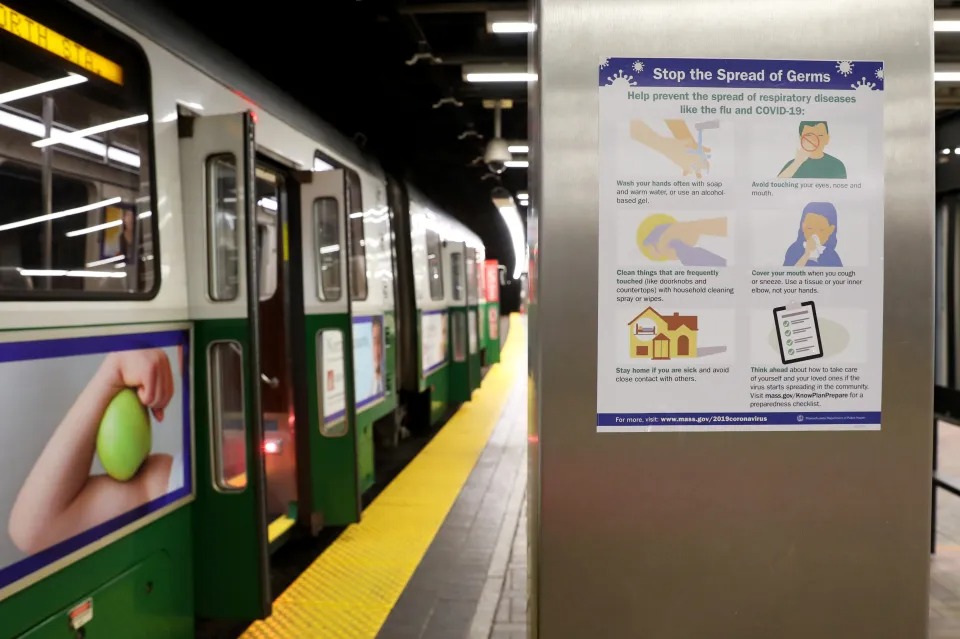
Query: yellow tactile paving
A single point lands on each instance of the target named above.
(348, 592)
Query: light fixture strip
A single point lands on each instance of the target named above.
(44, 87)
(59, 214)
(93, 130)
(95, 228)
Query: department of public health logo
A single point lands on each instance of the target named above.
(799, 418)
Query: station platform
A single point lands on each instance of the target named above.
(441, 552)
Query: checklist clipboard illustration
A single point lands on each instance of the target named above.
(798, 332)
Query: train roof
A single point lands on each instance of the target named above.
(198, 51)
(454, 228)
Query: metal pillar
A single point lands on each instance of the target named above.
(749, 535)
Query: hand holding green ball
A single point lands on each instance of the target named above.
(124, 438)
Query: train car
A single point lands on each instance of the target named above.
(216, 312)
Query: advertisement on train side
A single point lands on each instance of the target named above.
(96, 436)
(433, 340)
(741, 245)
(369, 361)
(333, 379)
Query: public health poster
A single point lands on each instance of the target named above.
(96, 435)
(741, 235)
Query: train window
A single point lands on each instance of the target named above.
(223, 230)
(227, 415)
(434, 265)
(358, 250)
(459, 336)
(456, 274)
(76, 217)
(268, 213)
(472, 275)
(326, 228)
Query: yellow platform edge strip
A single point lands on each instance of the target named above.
(350, 589)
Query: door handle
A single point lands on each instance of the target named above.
(272, 382)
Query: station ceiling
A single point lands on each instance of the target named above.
(389, 73)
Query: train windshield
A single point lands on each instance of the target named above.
(76, 217)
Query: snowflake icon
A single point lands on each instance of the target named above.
(879, 74)
(638, 66)
(845, 67)
(604, 63)
(621, 80)
(863, 85)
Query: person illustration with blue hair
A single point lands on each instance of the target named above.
(816, 243)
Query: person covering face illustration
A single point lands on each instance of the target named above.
(816, 241)
(811, 159)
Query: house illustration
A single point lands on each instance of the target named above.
(656, 336)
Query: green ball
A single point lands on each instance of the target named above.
(124, 437)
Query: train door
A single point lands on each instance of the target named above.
(279, 445)
(473, 320)
(330, 494)
(220, 213)
(460, 389)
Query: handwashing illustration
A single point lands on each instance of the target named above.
(680, 147)
(660, 237)
(816, 241)
(701, 127)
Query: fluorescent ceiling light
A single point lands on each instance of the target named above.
(946, 76)
(497, 73)
(516, 164)
(518, 148)
(59, 214)
(510, 22)
(100, 128)
(946, 26)
(36, 129)
(500, 77)
(513, 27)
(145, 214)
(330, 248)
(268, 203)
(43, 87)
(95, 228)
(511, 217)
(523, 195)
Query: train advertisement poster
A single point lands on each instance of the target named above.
(433, 340)
(491, 271)
(741, 232)
(369, 361)
(333, 379)
(96, 437)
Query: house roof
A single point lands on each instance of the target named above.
(673, 322)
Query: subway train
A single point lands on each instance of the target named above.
(218, 315)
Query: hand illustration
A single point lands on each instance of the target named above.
(146, 371)
(686, 232)
(681, 153)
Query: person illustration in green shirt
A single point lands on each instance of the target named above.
(811, 161)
